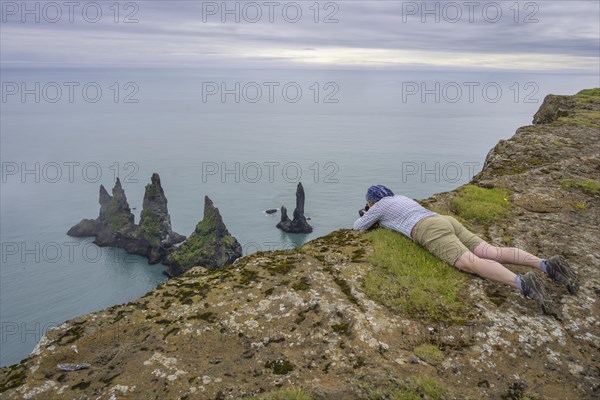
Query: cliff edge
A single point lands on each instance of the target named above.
(368, 315)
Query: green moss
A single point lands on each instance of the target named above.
(301, 285)
(358, 255)
(345, 288)
(116, 222)
(171, 332)
(481, 206)
(300, 318)
(287, 394)
(109, 379)
(429, 353)
(207, 316)
(71, 335)
(588, 186)
(359, 362)
(151, 190)
(192, 251)
(16, 377)
(151, 226)
(247, 276)
(341, 329)
(81, 385)
(280, 367)
(411, 281)
(281, 266)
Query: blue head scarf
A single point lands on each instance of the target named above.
(376, 193)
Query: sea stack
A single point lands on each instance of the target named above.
(115, 225)
(210, 245)
(299, 223)
(155, 221)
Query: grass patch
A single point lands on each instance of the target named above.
(580, 120)
(588, 186)
(416, 388)
(287, 394)
(481, 206)
(411, 281)
(589, 93)
(582, 116)
(429, 353)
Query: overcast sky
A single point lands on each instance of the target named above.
(526, 36)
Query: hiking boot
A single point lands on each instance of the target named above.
(559, 271)
(534, 289)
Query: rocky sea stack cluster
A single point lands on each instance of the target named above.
(210, 245)
(367, 315)
(115, 227)
(299, 223)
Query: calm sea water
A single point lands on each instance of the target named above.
(348, 129)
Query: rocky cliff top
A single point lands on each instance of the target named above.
(368, 315)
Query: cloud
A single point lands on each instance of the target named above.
(548, 35)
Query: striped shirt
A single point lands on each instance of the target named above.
(398, 213)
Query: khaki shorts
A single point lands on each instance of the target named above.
(445, 237)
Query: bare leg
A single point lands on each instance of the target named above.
(488, 269)
(508, 255)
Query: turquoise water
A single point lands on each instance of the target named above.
(370, 135)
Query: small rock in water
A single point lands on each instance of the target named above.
(271, 211)
(72, 367)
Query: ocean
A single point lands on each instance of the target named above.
(245, 138)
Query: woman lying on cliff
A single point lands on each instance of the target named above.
(450, 241)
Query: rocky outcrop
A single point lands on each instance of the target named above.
(155, 221)
(328, 319)
(115, 224)
(556, 107)
(553, 108)
(299, 223)
(210, 245)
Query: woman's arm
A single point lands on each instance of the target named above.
(368, 219)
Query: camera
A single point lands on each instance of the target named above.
(363, 211)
